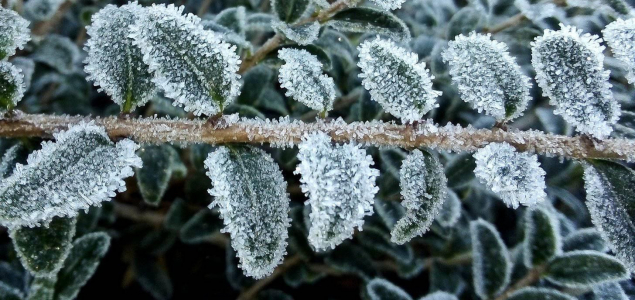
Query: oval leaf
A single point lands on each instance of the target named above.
(542, 237)
(364, 19)
(531, 293)
(620, 35)
(14, 32)
(583, 269)
(491, 266)
(11, 86)
(584, 239)
(155, 175)
(289, 11)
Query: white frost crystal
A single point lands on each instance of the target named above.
(396, 80)
(11, 86)
(114, 63)
(340, 185)
(388, 4)
(424, 189)
(251, 195)
(569, 69)
(620, 35)
(487, 76)
(302, 76)
(14, 32)
(192, 65)
(516, 177)
(81, 168)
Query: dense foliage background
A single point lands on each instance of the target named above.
(166, 244)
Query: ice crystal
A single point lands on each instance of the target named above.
(303, 34)
(340, 185)
(424, 189)
(620, 35)
(569, 69)
(396, 80)
(114, 63)
(11, 86)
(14, 32)
(197, 70)
(302, 76)
(516, 177)
(388, 4)
(81, 168)
(251, 195)
(487, 76)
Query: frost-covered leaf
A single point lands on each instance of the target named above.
(274, 59)
(514, 176)
(155, 175)
(582, 269)
(227, 34)
(364, 19)
(569, 69)
(81, 264)
(251, 195)
(487, 76)
(58, 52)
(542, 236)
(114, 63)
(378, 240)
(446, 278)
(234, 18)
(388, 4)
(396, 79)
(259, 22)
(42, 250)
(83, 167)
(439, 296)
(302, 34)
(536, 10)
(424, 189)
(289, 11)
(350, 258)
(177, 215)
(464, 21)
(610, 188)
(27, 68)
(340, 185)
(302, 76)
(532, 293)
(620, 35)
(491, 266)
(198, 71)
(584, 239)
(41, 10)
(11, 86)
(381, 289)
(152, 277)
(10, 293)
(450, 211)
(609, 291)
(389, 212)
(14, 32)
(42, 288)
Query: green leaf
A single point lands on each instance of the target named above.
(381, 289)
(233, 18)
(350, 258)
(446, 278)
(460, 170)
(424, 189)
(58, 52)
(80, 264)
(152, 277)
(10, 293)
(42, 250)
(177, 215)
(491, 266)
(583, 269)
(584, 239)
(17, 153)
(114, 63)
(11, 86)
(374, 238)
(201, 227)
(450, 212)
(364, 19)
(82, 168)
(289, 11)
(464, 21)
(14, 32)
(389, 211)
(532, 293)
(256, 80)
(273, 59)
(155, 175)
(42, 288)
(610, 188)
(542, 236)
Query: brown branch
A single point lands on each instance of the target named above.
(45, 27)
(253, 290)
(532, 277)
(287, 133)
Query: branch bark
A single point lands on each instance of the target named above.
(285, 132)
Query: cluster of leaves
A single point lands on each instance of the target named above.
(323, 210)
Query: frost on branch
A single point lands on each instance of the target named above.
(516, 177)
(114, 63)
(192, 65)
(620, 35)
(340, 185)
(81, 168)
(302, 76)
(251, 194)
(11, 86)
(14, 32)
(424, 189)
(569, 69)
(487, 76)
(610, 188)
(396, 80)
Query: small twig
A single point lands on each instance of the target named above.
(204, 7)
(253, 290)
(511, 22)
(532, 277)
